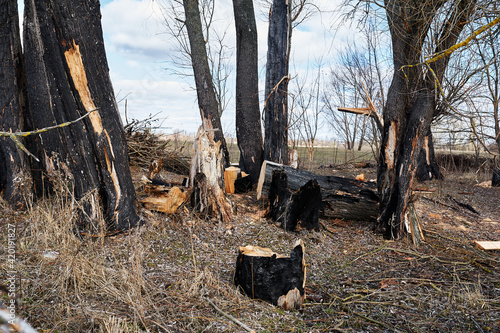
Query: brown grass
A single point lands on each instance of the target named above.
(158, 277)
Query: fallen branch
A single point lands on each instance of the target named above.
(14, 135)
(228, 316)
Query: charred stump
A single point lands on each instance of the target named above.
(292, 208)
(265, 275)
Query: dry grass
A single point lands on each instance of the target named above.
(158, 277)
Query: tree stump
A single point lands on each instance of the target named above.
(291, 208)
(265, 275)
(207, 178)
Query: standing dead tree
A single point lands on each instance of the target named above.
(68, 76)
(15, 177)
(276, 90)
(248, 126)
(411, 101)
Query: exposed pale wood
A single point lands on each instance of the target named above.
(207, 170)
(277, 279)
(230, 175)
(488, 245)
(167, 203)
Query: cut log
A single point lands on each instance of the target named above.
(342, 198)
(265, 275)
(488, 245)
(207, 169)
(294, 208)
(166, 203)
(230, 175)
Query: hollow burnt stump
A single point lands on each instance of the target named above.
(265, 275)
(292, 208)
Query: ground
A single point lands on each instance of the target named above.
(161, 276)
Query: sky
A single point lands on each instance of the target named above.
(140, 51)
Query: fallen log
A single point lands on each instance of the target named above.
(342, 198)
(165, 202)
(268, 276)
(294, 208)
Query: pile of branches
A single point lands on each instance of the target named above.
(144, 146)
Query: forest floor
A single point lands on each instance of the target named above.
(164, 275)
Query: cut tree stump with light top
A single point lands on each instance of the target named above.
(265, 275)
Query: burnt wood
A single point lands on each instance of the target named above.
(68, 76)
(341, 198)
(15, 178)
(264, 275)
(292, 208)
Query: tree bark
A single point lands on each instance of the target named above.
(207, 178)
(68, 77)
(428, 168)
(268, 276)
(293, 207)
(207, 101)
(342, 198)
(15, 178)
(248, 127)
(410, 104)
(276, 90)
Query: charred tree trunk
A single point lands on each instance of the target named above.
(292, 208)
(15, 178)
(207, 101)
(342, 198)
(276, 90)
(248, 127)
(410, 104)
(68, 77)
(428, 167)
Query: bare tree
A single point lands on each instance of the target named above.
(207, 99)
(248, 126)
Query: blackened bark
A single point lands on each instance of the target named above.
(248, 127)
(411, 102)
(428, 168)
(207, 102)
(292, 208)
(15, 179)
(495, 180)
(68, 77)
(276, 90)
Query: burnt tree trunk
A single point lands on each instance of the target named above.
(410, 104)
(248, 127)
(292, 208)
(428, 168)
(207, 101)
(68, 76)
(15, 178)
(341, 198)
(276, 89)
